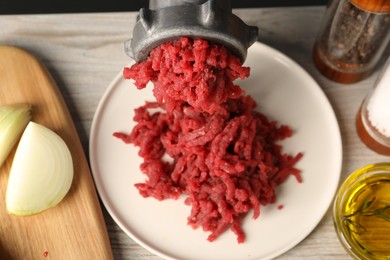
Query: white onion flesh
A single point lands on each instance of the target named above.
(13, 120)
(41, 173)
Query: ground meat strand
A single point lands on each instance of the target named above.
(196, 72)
(225, 159)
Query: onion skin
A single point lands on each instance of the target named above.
(41, 173)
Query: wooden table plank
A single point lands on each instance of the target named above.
(84, 52)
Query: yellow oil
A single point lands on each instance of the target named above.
(365, 216)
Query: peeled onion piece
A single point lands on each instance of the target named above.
(13, 120)
(41, 173)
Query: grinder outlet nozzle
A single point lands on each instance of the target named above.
(167, 20)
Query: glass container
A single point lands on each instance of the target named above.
(353, 37)
(373, 117)
(361, 212)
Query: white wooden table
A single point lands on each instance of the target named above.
(84, 52)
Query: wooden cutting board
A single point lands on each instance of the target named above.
(75, 228)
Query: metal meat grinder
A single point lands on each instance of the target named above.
(167, 20)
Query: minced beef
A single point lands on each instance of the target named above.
(225, 159)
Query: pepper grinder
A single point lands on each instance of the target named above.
(353, 37)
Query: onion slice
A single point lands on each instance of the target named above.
(41, 173)
(13, 120)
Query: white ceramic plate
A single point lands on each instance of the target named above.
(284, 92)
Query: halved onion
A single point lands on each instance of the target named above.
(41, 173)
(13, 120)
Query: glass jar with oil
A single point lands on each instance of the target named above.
(361, 212)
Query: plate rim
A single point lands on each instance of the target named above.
(110, 208)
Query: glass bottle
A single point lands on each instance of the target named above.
(373, 118)
(352, 39)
